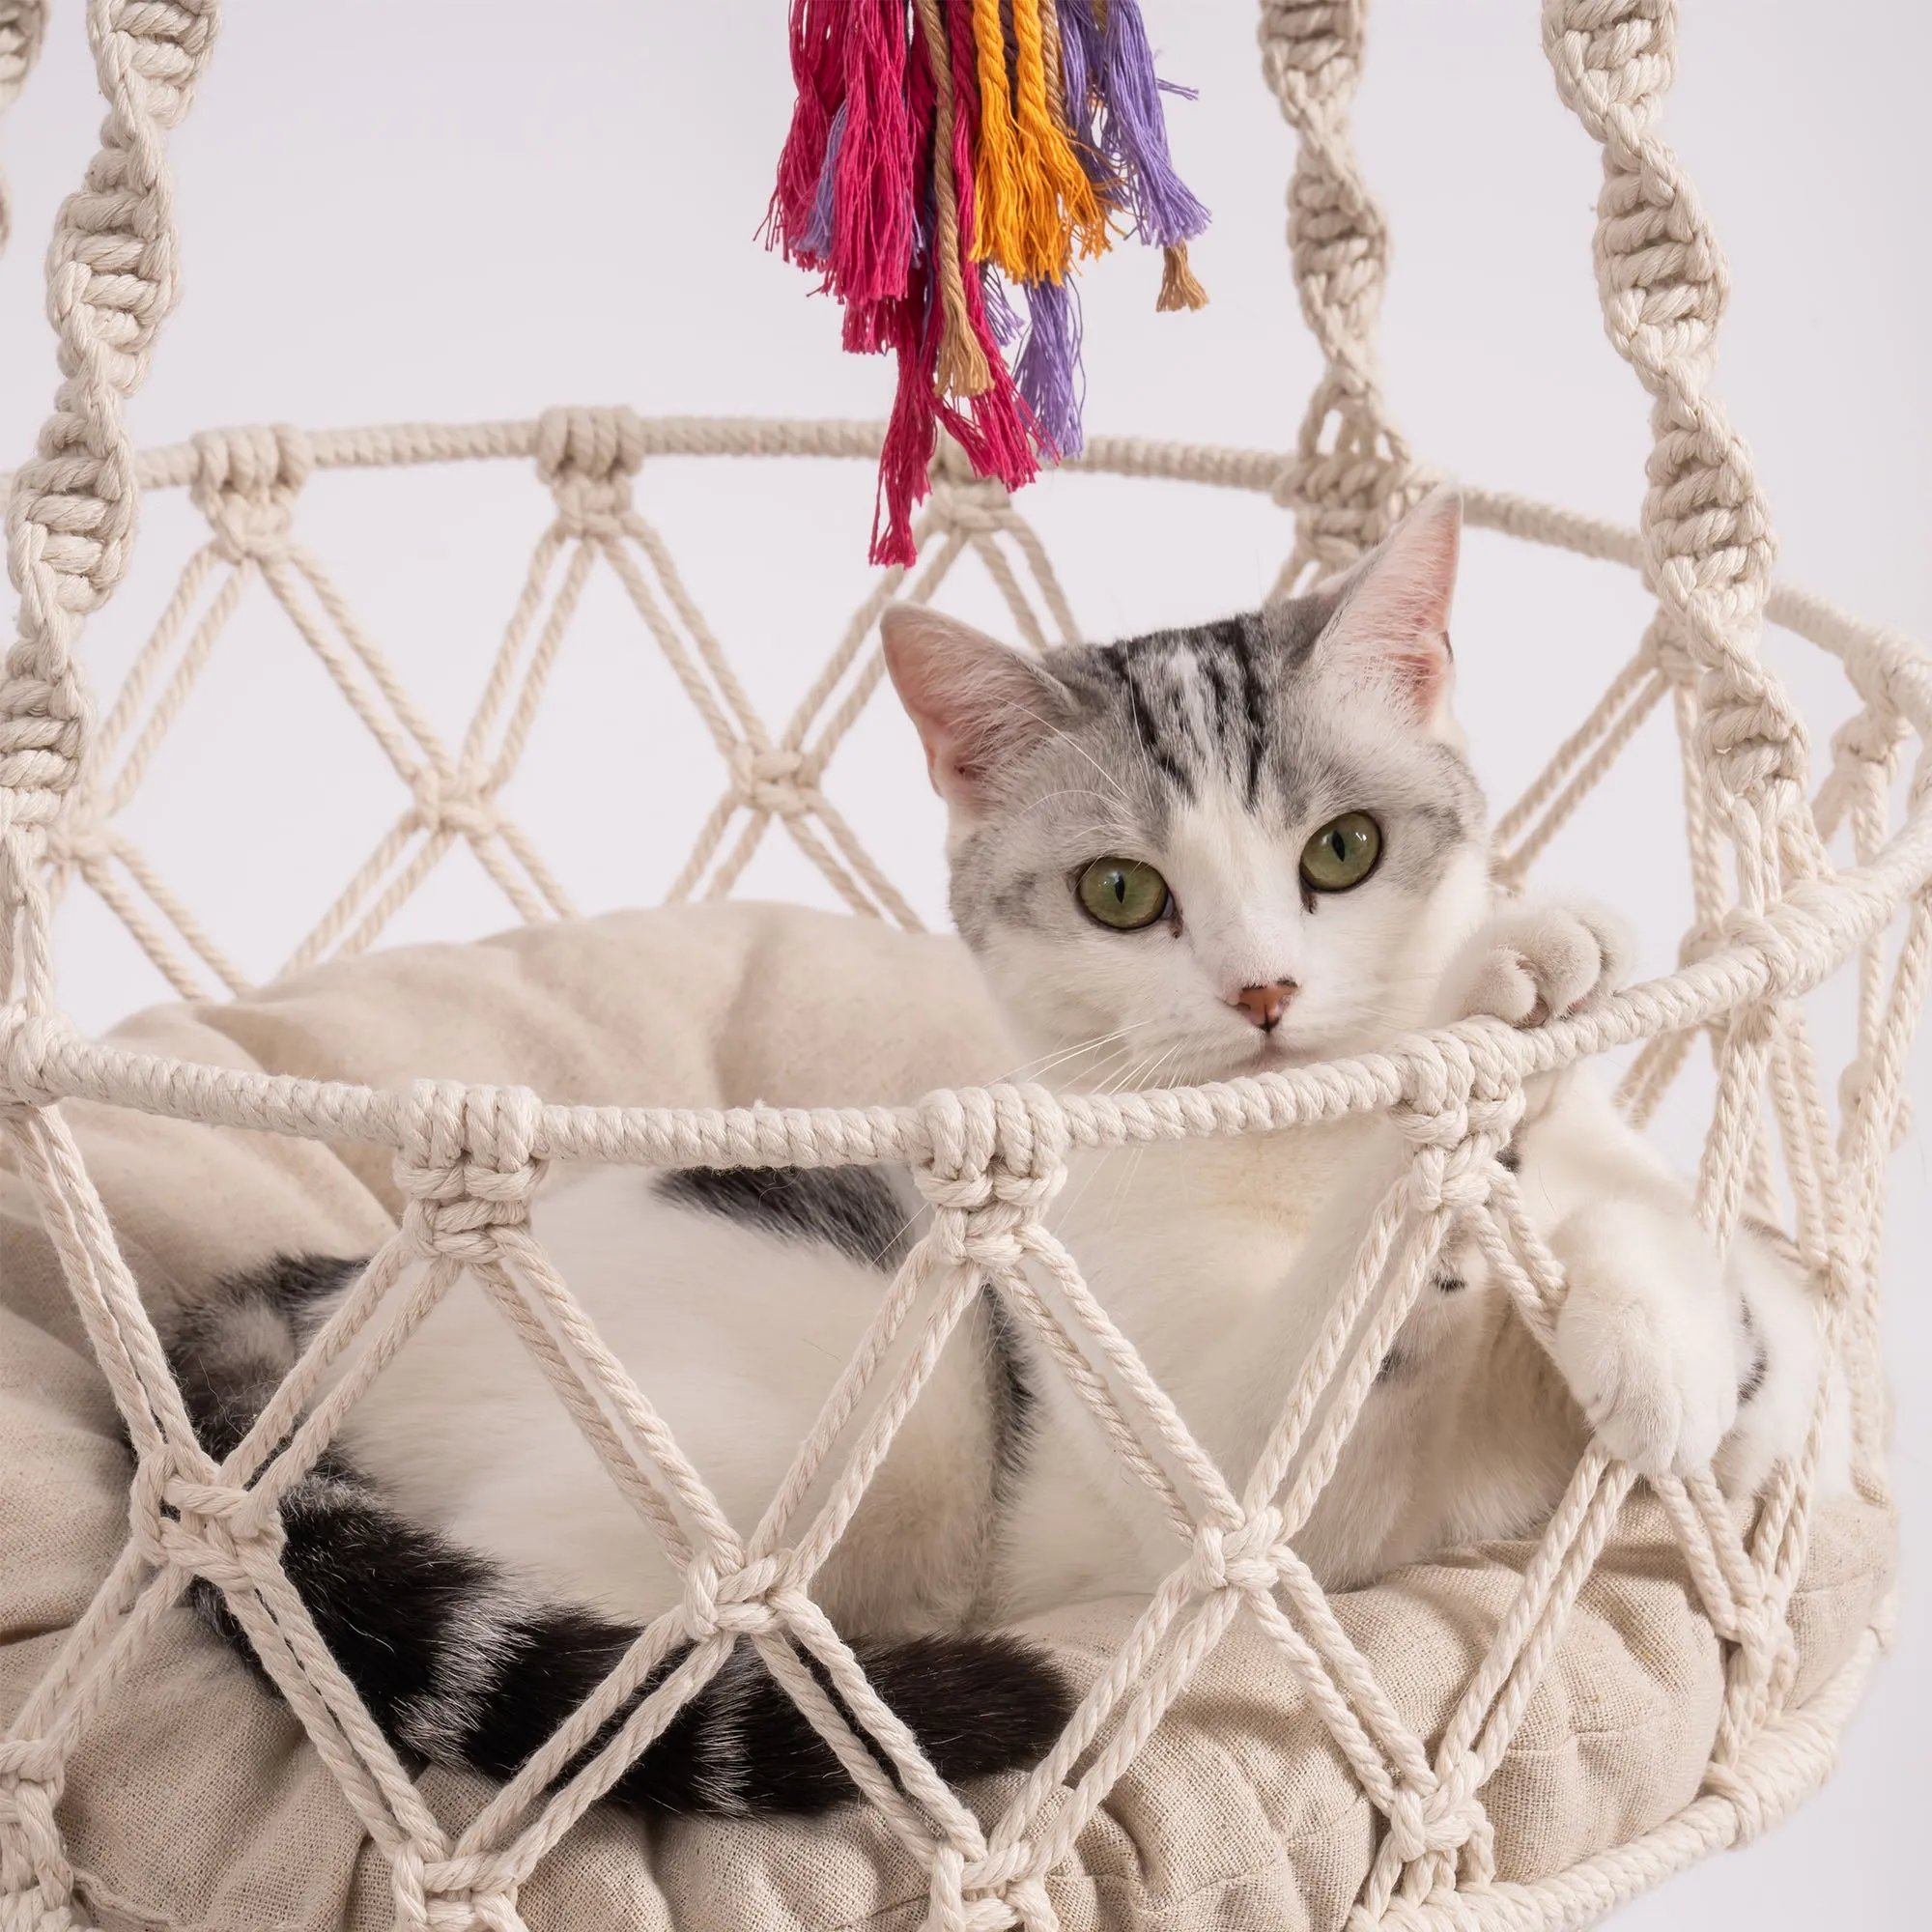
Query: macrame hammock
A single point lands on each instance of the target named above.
(1776, 915)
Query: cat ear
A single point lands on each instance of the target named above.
(1392, 623)
(978, 703)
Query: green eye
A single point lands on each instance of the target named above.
(1342, 853)
(1122, 894)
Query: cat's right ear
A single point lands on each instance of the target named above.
(978, 703)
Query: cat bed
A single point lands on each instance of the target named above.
(1514, 1737)
(196, 1803)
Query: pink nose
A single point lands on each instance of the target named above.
(1266, 1004)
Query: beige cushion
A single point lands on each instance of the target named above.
(194, 1800)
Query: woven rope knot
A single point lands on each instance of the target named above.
(1246, 1558)
(181, 1515)
(749, 1601)
(1610, 53)
(32, 1774)
(165, 47)
(28, 1045)
(43, 730)
(246, 483)
(998, 1158)
(587, 457)
(970, 505)
(990, 1892)
(1755, 933)
(1458, 1113)
(452, 1894)
(1438, 1823)
(466, 1165)
(1347, 501)
(774, 780)
(1753, 742)
(447, 803)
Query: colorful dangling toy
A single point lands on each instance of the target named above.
(939, 146)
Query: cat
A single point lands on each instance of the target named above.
(1188, 857)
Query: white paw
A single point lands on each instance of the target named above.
(1646, 1337)
(1535, 962)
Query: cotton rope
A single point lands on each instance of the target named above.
(989, 1160)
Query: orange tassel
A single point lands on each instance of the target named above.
(1035, 205)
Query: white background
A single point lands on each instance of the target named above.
(423, 210)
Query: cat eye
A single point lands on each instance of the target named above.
(1342, 854)
(1122, 894)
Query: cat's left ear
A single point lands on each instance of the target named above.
(1391, 627)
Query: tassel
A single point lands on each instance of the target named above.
(872, 219)
(1136, 132)
(992, 428)
(811, 245)
(1036, 205)
(1082, 59)
(961, 369)
(1049, 365)
(1078, 216)
(1179, 288)
(818, 75)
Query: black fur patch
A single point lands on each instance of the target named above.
(1752, 1385)
(459, 1666)
(1012, 1393)
(231, 1351)
(395, 1602)
(855, 1210)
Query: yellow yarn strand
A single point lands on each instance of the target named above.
(1035, 204)
(996, 156)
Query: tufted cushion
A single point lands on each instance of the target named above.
(194, 1800)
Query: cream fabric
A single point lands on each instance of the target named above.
(194, 1800)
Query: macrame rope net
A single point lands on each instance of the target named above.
(1774, 916)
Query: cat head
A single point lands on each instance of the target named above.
(1212, 851)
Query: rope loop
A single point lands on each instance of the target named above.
(1246, 1558)
(998, 1157)
(587, 458)
(986, 1893)
(753, 1600)
(1461, 1106)
(1434, 1822)
(442, 802)
(180, 1515)
(246, 483)
(28, 1043)
(774, 780)
(435, 1894)
(467, 1165)
(969, 505)
(32, 1776)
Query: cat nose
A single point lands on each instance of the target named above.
(1266, 1004)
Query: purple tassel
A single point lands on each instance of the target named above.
(814, 244)
(1081, 57)
(1136, 127)
(1048, 371)
(1000, 317)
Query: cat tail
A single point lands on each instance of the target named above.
(463, 1665)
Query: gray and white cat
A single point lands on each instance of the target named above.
(1183, 858)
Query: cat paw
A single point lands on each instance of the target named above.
(1645, 1338)
(1536, 962)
